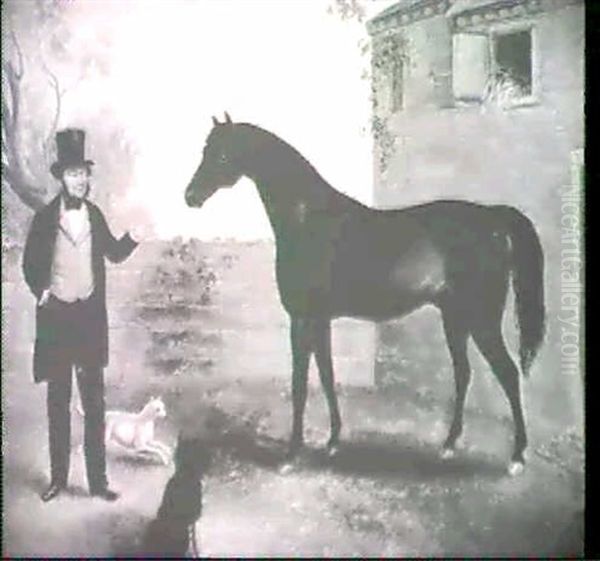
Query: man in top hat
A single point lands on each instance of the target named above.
(64, 267)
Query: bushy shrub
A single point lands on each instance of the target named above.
(184, 274)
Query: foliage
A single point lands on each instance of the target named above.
(48, 66)
(183, 272)
(386, 53)
(389, 53)
(385, 141)
(348, 9)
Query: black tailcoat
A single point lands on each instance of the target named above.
(51, 353)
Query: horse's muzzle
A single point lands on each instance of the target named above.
(192, 199)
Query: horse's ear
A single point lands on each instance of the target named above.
(227, 118)
(215, 122)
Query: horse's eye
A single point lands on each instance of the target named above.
(223, 158)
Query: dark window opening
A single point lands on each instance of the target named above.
(513, 60)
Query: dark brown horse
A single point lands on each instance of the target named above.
(337, 257)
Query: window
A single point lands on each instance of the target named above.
(495, 68)
(397, 89)
(470, 66)
(512, 57)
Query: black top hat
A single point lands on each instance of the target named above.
(70, 147)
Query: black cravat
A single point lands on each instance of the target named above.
(72, 203)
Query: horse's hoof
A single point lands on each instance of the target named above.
(447, 453)
(516, 468)
(286, 468)
(333, 450)
(294, 449)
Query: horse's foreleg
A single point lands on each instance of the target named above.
(456, 337)
(325, 365)
(301, 338)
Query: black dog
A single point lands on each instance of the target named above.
(172, 532)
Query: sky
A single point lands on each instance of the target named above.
(287, 66)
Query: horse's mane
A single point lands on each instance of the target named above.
(280, 150)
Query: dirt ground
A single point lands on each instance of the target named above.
(387, 493)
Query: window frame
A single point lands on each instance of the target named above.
(462, 100)
(509, 28)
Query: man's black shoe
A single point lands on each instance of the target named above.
(105, 493)
(52, 492)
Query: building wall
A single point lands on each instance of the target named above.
(487, 152)
(428, 73)
(519, 156)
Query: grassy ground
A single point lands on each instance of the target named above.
(386, 494)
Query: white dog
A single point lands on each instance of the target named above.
(135, 431)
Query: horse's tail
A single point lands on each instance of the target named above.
(528, 282)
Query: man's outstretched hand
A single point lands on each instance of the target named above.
(142, 232)
(136, 214)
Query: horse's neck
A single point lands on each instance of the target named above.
(288, 186)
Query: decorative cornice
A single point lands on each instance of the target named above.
(403, 15)
(462, 17)
(501, 11)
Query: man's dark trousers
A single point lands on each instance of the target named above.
(74, 319)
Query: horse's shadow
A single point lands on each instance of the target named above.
(380, 456)
(262, 451)
(407, 460)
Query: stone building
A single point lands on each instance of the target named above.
(481, 100)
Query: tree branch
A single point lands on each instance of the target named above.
(29, 195)
(13, 173)
(58, 96)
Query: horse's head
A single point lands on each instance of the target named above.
(218, 167)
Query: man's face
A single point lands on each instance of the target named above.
(76, 181)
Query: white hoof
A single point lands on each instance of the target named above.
(286, 468)
(447, 453)
(515, 468)
(333, 451)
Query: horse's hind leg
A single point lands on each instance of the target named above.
(492, 346)
(325, 366)
(193, 541)
(456, 336)
(302, 340)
